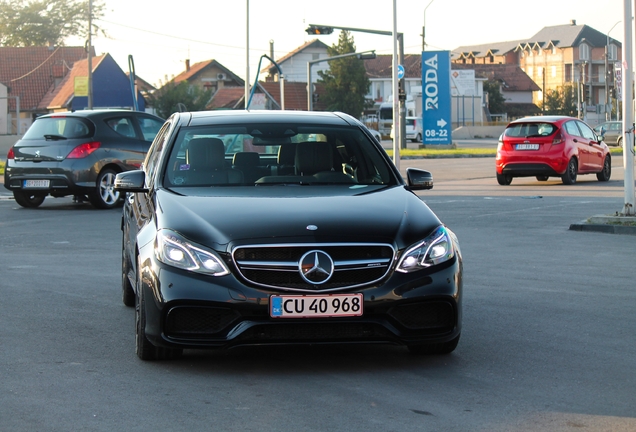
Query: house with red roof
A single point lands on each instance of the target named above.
(208, 74)
(29, 73)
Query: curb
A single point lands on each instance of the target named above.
(604, 228)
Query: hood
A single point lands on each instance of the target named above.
(225, 217)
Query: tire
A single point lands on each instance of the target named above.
(620, 142)
(435, 348)
(28, 200)
(104, 197)
(605, 175)
(144, 349)
(504, 179)
(127, 292)
(569, 176)
(542, 178)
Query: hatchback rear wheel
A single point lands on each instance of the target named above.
(569, 176)
(28, 199)
(607, 170)
(504, 179)
(104, 196)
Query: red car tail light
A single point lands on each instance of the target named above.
(11, 154)
(83, 150)
(558, 138)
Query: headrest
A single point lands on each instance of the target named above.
(313, 157)
(287, 154)
(246, 159)
(206, 152)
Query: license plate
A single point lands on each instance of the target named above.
(315, 306)
(527, 147)
(36, 183)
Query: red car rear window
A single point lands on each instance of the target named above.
(527, 130)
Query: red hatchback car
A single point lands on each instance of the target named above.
(551, 146)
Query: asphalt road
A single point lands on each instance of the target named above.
(548, 341)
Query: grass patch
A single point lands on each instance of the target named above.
(1, 167)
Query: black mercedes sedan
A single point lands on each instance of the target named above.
(78, 153)
(283, 227)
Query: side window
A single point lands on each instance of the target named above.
(150, 164)
(123, 126)
(615, 127)
(570, 128)
(149, 127)
(586, 132)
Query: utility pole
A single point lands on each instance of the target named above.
(90, 54)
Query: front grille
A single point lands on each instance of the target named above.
(316, 332)
(432, 315)
(198, 321)
(277, 266)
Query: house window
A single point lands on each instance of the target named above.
(315, 56)
(584, 52)
(554, 50)
(612, 53)
(553, 71)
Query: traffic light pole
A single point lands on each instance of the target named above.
(316, 29)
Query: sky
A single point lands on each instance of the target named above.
(161, 36)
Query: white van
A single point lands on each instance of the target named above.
(413, 129)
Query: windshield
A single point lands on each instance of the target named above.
(275, 154)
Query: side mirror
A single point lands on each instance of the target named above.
(418, 179)
(131, 181)
(601, 132)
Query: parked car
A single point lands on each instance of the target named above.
(413, 129)
(315, 239)
(611, 132)
(551, 146)
(78, 153)
(376, 134)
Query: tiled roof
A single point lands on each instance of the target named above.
(513, 78)
(143, 85)
(498, 48)
(29, 72)
(382, 66)
(60, 96)
(198, 67)
(295, 96)
(227, 98)
(571, 35)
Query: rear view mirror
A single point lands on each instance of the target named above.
(131, 181)
(418, 179)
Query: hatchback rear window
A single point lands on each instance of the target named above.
(528, 130)
(61, 127)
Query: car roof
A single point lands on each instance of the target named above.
(263, 116)
(543, 119)
(92, 113)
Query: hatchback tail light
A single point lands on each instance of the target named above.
(11, 154)
(558, 138)
(83, 150)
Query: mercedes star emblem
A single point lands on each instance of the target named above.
(316, 267)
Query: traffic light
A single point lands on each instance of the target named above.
(586, 93)
(319, 30)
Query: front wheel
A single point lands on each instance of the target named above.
(569, 176)
(27, 199)
(605, 175)
(104, 196)
(504, 179)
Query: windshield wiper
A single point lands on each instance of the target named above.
(54, 137)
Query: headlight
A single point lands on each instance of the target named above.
(435, 249)
(174, 250)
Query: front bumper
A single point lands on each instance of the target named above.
(190, 311)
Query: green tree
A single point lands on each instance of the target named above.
(172, 98)
(42, 22)
(561, 101)
(496, 101)
(346, 82)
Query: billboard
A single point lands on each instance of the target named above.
(436, 97)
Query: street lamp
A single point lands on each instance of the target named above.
(608, 114)
(318, 29)
(424, 27)
(365, 55)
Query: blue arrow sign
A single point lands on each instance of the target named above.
(400, 71)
